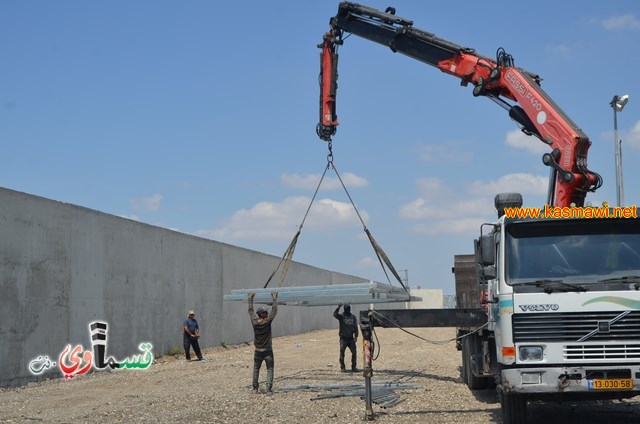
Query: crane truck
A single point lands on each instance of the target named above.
(548, 306)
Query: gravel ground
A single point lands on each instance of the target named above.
(218, 390)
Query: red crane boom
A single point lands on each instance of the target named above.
(518, 91)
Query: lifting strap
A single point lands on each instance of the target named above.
(288, 254)
(383, 259)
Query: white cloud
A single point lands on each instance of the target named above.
(443, 152)
(421, 209)
(328, 213)
(439, 209)
(518, 182)
(271, 220)
(450, 226)
(149, 204)
(520, 140)
(476, 206)
(367, 262)
(310, 181)
(623, 22)
(445, 208)
(632, 137)
(435, 201)
(433, 188)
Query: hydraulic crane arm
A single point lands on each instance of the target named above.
(515, 89)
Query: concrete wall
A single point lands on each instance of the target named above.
(63, 266)
(431, 299)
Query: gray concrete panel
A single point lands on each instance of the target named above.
(63, 266)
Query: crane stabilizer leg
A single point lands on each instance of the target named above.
(366, 327)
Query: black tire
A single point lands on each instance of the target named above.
(514, 408)
(490, 383)
(473, 382)
(465, 363)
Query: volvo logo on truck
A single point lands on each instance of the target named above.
(543, 307)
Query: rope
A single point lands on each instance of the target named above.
(288, 254)
(381, 255)
(436, 342)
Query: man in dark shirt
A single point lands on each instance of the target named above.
(262, 340)
(348, 335)
(191, 336)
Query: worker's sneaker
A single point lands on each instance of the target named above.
(269, 392)
(255, 390)
(354, 369)
(343, 370)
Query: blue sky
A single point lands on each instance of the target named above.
(200, 117)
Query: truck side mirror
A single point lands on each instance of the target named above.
(487, 250)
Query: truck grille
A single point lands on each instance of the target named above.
(602, 352)
(572, 326)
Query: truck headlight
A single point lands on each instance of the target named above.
(530, 353)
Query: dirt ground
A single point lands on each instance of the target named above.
(219, 389)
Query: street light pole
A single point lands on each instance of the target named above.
(405, 280)
(617, 104)
(616, 146)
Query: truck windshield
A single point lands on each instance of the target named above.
(581, 251)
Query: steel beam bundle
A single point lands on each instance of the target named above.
(384, 398)
(323, 295)
(349, 386)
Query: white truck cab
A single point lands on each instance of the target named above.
(563, 304)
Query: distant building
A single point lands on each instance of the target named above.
(430, 299)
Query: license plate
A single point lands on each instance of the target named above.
(611, 384)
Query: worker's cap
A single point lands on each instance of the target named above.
(347, 307)
(261, 310)
(192, 312)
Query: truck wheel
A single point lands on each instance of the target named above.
(490, 382)
(465, 364)
(473, 382)
(514, 408)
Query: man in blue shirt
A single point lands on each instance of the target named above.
(191, 336)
